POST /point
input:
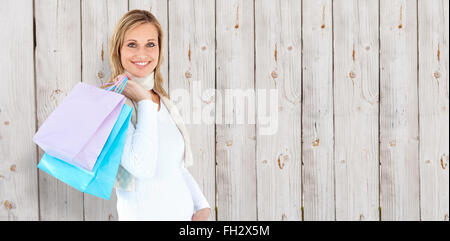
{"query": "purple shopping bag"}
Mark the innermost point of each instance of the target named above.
(78, 128)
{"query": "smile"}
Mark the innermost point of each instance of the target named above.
(141, 64)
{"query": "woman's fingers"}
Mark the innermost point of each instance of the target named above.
(126, 90)
(117, 83)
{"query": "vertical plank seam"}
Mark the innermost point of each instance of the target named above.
(81, 68)
(168, 44)
(418, 105)
(302, 201)
(254, 87)
(334, 114)
(35, 106)
(215, 111)
(379, 113)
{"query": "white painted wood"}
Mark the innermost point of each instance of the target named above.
(192, 69)
(356, 109)
(399, 136)
(58, 70)
(433, 106)
(278, 55)
(99, 19)
(159, 9)
(247, 182)
(18, 172)
(317, 113)
(235, 143)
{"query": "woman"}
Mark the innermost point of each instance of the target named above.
(157, 146)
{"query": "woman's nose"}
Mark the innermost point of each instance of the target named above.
(141, 57)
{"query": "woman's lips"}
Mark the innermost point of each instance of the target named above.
(139, 65)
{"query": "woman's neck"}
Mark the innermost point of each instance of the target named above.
(147, 81)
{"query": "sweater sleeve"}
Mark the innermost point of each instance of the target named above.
(141, 146)
(199, 199)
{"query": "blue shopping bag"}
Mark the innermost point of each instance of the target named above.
(100, 181)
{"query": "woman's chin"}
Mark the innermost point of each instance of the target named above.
(140, 73)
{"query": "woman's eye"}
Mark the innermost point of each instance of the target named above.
(133, 45)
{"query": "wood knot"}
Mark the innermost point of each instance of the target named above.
(12, 168)
(6, 123)
(8, 205)
(54, 94)
(100, 75)
(352, 74)
(400, 26)
(103, 54)
(444, 161)
(274, 74)
(437, 75)
(316, 142)
(188, 75)
(289, 48)
(392, 143)
(323, 26)
(281, 166)
(229, 143)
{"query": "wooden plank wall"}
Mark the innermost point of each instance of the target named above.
(19, 188)
(362, 104)
(278, 156)
(356, 99)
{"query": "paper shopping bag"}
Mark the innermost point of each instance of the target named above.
(78, 128)
(100, 181)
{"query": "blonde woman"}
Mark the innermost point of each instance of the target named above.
(153, 182)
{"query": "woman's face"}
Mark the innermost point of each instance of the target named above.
(140, 50)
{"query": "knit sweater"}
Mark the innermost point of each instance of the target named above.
(154, 154)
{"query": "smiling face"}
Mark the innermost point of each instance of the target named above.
(140, 50)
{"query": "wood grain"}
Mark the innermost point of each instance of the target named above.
(18, 173)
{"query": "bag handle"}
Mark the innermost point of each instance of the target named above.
(119, 85)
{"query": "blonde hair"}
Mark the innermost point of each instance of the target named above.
(128, 21)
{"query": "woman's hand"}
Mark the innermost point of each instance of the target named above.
(201, 215)
(134, 91)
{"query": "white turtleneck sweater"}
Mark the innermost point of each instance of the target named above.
(154, 154)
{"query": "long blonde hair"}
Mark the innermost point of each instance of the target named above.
(130, 20)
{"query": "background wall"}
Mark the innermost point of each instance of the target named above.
(363, 115)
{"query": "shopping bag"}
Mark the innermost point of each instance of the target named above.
(78, 128)
(100, 181)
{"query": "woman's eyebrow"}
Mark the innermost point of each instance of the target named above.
(136, 40)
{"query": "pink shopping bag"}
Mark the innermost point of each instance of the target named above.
(78, 128)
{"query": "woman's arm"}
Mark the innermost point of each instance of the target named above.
(199, 199)
(141, 147)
